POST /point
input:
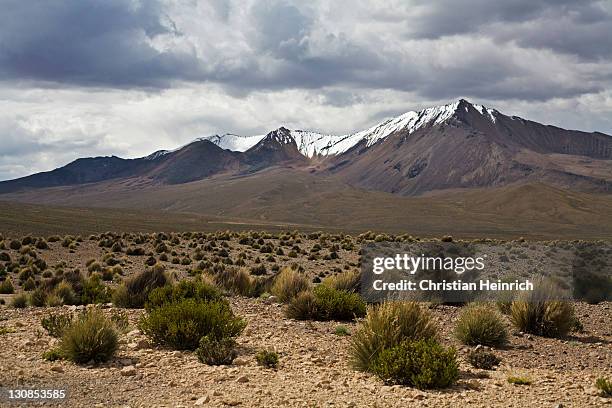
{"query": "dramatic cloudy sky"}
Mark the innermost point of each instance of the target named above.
(127, 77)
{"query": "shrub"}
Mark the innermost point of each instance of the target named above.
(604, 386)
(267, 359)
(288, 283)
(387, 325)
(38, 297)
(20, 301)
(349, 281)
(56, 324)
(30, 284)
(236, 281)
(341, 331)
(65, 292)
(90, 337)
(482, 359)
(15, 245)
(6, 287)
(421, 364)
(181, 325)
(135, 291)
(197, 290)
(480, 324)
(214, 351)
(53, 355)
(541, 312)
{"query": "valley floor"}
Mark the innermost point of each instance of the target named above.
(314, 369)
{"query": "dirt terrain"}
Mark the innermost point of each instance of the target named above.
(314, 365)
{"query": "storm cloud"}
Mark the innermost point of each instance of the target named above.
(124, 76)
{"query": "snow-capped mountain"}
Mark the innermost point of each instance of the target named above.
(457, 145)
(311, 144)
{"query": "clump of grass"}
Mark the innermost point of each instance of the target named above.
(288, 283)
(604, 386)
(53, 355)
(325, 303)
(20, 301)
(236, 281)
(267, 359)
(6, 287)
(135, 291)
(483, 359)
(387, 325)
(90, 337)
(480, 324)
(341, 331)
(519, 380)
(181, 325)
(541, 312)
(349, 281)
(422, 364)
(215, 351)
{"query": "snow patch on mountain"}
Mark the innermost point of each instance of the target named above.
(229, 141)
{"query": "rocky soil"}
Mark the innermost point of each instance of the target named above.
(313, 371)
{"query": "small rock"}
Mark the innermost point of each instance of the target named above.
(202, 400)
(128, 371)
(240, 361)
(217, 393)
(133, 333)
(243, 379)
(57, 369)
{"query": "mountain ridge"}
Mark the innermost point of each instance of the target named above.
(456, 145)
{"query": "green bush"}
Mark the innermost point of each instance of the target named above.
(541, 312)
(341, 331)
(215, 351)
(268, 359)
(29, 285)
(326, 304)
(482, 359)
(519, 380)
(387, 325)
(197, 290)
(422, 364)
(604, 386)
(56, 324)
(94, 291)
(181, 325)
(6, 287)
(20, 301)
(481, 324)
(90, 337)
(53, 355)
(135, 291)
(288, 283)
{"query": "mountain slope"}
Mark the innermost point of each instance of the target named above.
(454, 146)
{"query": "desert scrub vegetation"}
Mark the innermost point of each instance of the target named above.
(236, 281)
(267, 359)
(20, 301)
(199, 290)
(90, 337)
(182, 324)
(6, 287)
(519, 380)
(216, 351)
(480, 323)
(56, 324)
(349, 281)
(325, 303)
(422, 364)
(604, 386)
(387, 325)
(288, 283)
(541, 312)
(483, 359)
(134, 292)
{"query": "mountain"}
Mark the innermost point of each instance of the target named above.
(459, 145)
